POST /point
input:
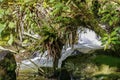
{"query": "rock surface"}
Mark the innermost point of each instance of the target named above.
(90, 65)
(7, 66)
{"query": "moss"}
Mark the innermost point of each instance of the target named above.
(108, 60)
(108, 76)
(91, 64)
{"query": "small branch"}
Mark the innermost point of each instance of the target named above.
(2, 48)
(32, 36)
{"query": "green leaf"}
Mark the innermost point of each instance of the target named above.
(1, 0)
(44, 39)
(117, 29)
(65, 8)
(106, 35)
(1, 13)
(26, 1)
(45, 5)
(106, 46)
(52, 1)
(59, 5)
(11, 25)
(10, 41)
(113, 33)
(105, 38)
(56, 11)
(110, 22)
(117, 42)
(2, 26)
(25, 41)
(115, 38)
(113, 42)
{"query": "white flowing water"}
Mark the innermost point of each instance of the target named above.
(88, 41)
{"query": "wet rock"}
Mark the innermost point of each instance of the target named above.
(62, 74)
(54, 75)
(7, 66)
(89, 64)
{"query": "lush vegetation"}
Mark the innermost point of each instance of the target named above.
(32, 25)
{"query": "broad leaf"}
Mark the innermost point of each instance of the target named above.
(52, 1)
(11, 39)
(11, 25)
(1, 13)
(2, 26)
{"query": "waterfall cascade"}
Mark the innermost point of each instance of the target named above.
(88, 41)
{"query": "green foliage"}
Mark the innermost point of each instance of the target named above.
(112, 40)
(110, 14)
(49, 35)
(2, 27)
(1, 13)
(65, 17)
(95, 7)
(10, 41)
(11, 25)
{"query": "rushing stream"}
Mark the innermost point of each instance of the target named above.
(88, 41)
